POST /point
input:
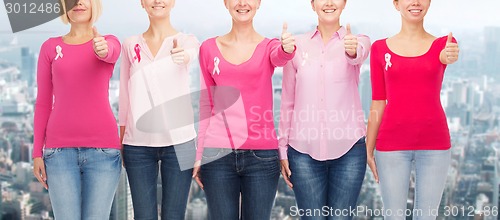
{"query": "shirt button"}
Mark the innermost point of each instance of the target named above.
(321, 66)
(322, 51)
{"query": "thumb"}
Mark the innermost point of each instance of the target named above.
(288, 171)
(450, 38)
(44, 174)
(348, 28)
(94, 30)
(175, 43)
(285, 27)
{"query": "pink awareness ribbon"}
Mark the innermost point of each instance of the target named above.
(137, 50)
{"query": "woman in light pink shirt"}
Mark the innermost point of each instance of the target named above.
(236, 140)
(322, 129)
(76, 147)
(155, 114)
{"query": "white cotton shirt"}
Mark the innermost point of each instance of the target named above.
(155, 102)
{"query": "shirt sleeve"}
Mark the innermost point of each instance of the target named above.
(287, 107)
(278, 56)
(44, 99)
(192, 47)
(362, 51)
(114, 49)
(124, 100)
(206, 104)
(377, 74)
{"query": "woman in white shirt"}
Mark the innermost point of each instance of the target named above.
(155, 114)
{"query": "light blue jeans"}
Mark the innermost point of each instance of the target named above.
(431, 171)
(82, 181)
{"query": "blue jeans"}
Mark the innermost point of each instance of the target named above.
(394, 168)
(253, 173)
(82, 181)
(334, 184)
(142, 165)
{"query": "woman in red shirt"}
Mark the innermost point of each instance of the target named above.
(407, 123)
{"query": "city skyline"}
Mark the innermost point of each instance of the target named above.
(470, 95)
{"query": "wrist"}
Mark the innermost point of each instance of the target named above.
(186, 58)
(353, 56)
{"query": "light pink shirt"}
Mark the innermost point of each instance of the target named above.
(321, 112)
(155, 105)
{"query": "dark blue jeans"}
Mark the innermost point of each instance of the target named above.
(141, 164)
(331, 185)
(253, 173)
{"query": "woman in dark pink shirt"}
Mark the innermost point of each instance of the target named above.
(407, 123)
(76, 146)
(236, 140)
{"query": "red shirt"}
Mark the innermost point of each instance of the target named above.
(413, 118)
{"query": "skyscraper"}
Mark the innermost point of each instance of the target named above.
(122, 208)
(365, 91)
(491, 51)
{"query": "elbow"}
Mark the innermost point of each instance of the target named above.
(378, 104)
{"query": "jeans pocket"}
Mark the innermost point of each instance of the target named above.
(361, 142)
(110, 152)
(49, 152)
(211, 153)
(266, 155)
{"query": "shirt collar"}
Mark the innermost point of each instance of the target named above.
(340, 33)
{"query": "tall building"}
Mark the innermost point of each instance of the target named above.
(23, 58)
(122, 208)
(28, 66)
(496, 177)
(491, 51)
(365, 91)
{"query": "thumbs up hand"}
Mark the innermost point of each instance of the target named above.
(179, 55)
(100, 44)
(450, 52)
(287, 40)
(350, 42)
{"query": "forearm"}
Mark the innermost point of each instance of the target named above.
(374, 120)
(122, 132)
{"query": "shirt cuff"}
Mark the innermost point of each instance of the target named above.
(359, 56)
(108, 56)
(37, 154)
(199, 154)
(284, 55)
(283, 149)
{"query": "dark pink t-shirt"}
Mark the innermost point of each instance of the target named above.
(413, 118)
(72, 107)
(239, 112)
